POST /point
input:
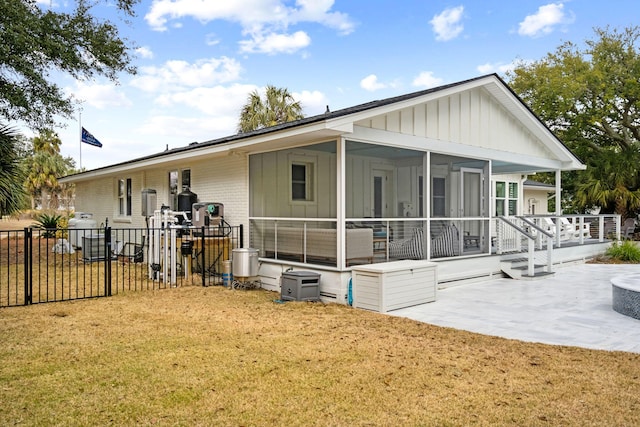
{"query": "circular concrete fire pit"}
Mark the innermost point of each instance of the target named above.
(626, 295)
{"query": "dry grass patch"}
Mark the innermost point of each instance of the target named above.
(210, 356)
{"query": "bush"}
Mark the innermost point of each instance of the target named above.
(49, 223)
(625, 251)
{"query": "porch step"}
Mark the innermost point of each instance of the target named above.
(517, 268)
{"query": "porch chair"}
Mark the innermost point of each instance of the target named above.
(629, 228)
(132, 252)
(566, 233)
(445, 244)
(573, 228)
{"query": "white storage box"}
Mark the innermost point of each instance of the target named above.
(393, 285)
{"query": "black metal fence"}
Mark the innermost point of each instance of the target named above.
(38, 266)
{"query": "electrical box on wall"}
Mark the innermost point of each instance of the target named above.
(149, 201)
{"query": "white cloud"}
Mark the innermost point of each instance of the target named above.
(263, 21)
(179, 74)
(187, 128)
(276, 43)
(144, 52)
(544, 20)
(497, 67)
(313, 102)
(371, 83)
(213, 101)
(447, 24)
(427, 80)
(100, 96)
(212, 39)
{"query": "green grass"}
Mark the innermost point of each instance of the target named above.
(211, 356)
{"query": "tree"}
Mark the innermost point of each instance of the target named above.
(37, 42)
(590, 97)
(278, 106)
(12, 193)
(44, 166)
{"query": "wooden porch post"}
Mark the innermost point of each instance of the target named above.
(341, 204)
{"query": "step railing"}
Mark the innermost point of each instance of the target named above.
(513, 234)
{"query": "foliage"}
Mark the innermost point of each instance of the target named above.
(48, 222)
(63, 228)
(36, 42)
(278, 106)
(44, 166)
(590, 97)
(625, 251)
(12, 193)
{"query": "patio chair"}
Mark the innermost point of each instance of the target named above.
(447, 243)
(574, 230)
(132, 252)
(550, 227)
(629, 228)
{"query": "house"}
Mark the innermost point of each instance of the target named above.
(361, 185)
(536, 197)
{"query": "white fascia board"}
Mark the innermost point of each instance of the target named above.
(399, 140)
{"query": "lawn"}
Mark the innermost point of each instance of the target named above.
(212, 356)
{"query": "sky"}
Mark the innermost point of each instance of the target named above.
(198, 60)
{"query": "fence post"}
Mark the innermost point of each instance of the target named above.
(107, 261)
(28, 266)
(242, 235)
(203, 257)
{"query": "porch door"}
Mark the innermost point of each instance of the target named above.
(381, 187)
(471, 205)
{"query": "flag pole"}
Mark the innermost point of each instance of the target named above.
(80, 135)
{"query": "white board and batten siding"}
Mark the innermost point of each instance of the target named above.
(393, 285)
(472, 117)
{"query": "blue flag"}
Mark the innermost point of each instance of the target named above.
(87, 138)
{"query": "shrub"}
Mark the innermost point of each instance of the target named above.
(49, 223)
(625, 251)
(63, 228)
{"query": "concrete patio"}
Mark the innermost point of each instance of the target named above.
(571, 308)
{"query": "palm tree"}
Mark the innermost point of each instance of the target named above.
(11, 174)
(278, 106)
(612, 182)
(44, 167)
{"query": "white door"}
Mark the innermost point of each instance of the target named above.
(471, 205)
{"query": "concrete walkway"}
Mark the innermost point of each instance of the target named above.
(571, 308)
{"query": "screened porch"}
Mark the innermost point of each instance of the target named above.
(341, 203)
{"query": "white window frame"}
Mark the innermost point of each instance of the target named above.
(310, 163)
(506, 199)
(124, 189)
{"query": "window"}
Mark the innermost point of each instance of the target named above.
(506, 198)
(438, 194)
(124, 197)
(301, 182)
(184, 178)
(173, 190)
